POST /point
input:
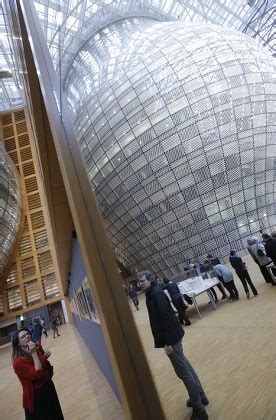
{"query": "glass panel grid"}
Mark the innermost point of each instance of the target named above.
(185, 173)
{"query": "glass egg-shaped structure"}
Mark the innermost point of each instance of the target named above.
(175, 126)
(10, 207)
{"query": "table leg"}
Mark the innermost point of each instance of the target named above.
(196, 306)
(213, 303)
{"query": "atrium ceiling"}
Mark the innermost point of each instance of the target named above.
(68, 24)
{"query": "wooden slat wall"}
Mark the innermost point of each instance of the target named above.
(33, 279)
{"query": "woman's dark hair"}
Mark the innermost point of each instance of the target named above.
(166, 280)
(16, 349)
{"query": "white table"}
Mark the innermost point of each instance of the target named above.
(196, 286)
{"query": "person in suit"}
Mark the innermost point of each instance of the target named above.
(242, 272)
(54, 326)
(177, 301)
(270, 246)
(168, 333)
(36, 330)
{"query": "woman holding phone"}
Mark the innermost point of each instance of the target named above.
(31, 365)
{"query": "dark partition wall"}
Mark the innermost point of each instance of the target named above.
(86, 318)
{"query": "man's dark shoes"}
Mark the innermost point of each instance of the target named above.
(199, 415)
(204, 401)
(188, 323)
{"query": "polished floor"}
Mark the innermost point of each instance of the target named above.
(233, 350)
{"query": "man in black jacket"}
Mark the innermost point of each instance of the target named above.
(270, 246)
(241, 270)
(177, 301)
(168, 333)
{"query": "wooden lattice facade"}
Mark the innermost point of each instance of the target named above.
(33, 279)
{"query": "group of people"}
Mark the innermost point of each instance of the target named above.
(225, 275)
(263, 253)
(166, 328)
(30, 361)
(38, 327)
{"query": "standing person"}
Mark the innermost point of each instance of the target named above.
(168, 333)
(200, 271)
(177, 301)
(36, 330)
(270, 250)
(132, 293)
(257, 252)
(58, 319)
(54, 326)
(213, 261)
(30, 363)
(226, 277)
(270, 246)
(241, 270)
(43, 325)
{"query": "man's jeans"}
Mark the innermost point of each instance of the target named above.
(185, 371)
